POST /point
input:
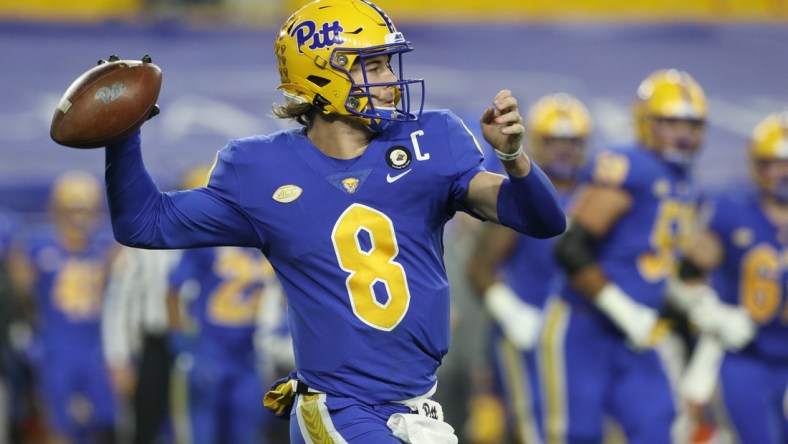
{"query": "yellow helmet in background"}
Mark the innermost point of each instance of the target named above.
(320, 42)
(770, 138)
(769, 143)
(76, 190)
(553, 117)
(75, 204)
(667, 94)
(558, 115)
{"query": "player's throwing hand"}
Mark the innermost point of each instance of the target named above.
(502, 124)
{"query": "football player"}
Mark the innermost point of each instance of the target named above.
(744, 245)
(220, 291)
(63, 266)
(349, 208)
(633, 210)
(512, 273)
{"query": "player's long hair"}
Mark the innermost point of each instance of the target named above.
(302, 113)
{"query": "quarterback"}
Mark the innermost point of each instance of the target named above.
(349, 208)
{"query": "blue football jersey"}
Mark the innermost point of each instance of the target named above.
(640, 250)
(753, 273)
(228, 283)
(356, 244)
(69, 289)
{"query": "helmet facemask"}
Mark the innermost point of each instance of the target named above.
(360, 102)
(563, 157)
(677, 140)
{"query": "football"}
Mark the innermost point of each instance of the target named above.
(106, 104)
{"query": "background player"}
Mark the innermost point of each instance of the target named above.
(512, 273)
(744, 246)
(633, 210)
(64, 266)
(220, 290)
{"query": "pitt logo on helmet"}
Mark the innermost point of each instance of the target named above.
(307, 31)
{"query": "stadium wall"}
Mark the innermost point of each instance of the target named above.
(432, 10)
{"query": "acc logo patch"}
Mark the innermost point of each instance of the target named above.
(287, 193)
(398, 157)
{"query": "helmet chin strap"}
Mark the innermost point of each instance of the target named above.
(386, 118)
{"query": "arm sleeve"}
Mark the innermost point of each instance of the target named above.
(142, 216)
(530, 205)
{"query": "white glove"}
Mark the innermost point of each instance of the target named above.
(730, 323)
(637, 321)
(519, 320)
(700, 377)
(685, 296)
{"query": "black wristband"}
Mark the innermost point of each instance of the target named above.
(689, 270)
(574, 250)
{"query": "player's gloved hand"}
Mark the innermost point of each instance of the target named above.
(638, 322)
(731, 324)
(156, 110)
(519, 320)
(145, 59)
(699, 379)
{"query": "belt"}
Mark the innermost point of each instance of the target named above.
(303, 389)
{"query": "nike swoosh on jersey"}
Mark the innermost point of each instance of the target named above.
(392, 179)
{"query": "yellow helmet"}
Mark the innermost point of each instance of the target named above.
(667, 94)
(770, 138)
(75, 203)
(320, 42)
(769, 142)
(558, 116)
(76, 190)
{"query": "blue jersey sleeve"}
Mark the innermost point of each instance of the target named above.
(467, 155)
(142, 216)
